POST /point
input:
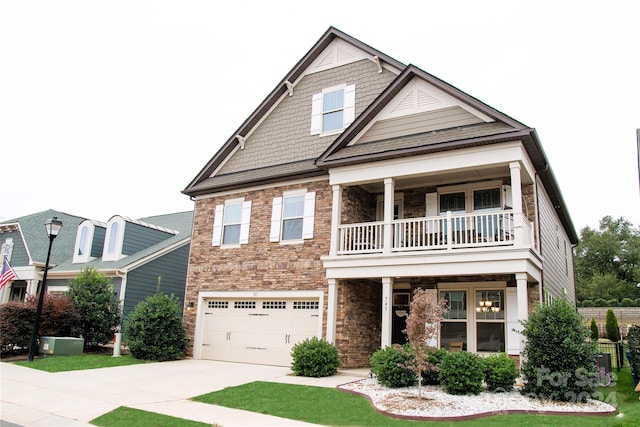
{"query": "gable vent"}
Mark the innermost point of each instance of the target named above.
(425, 99)
(343, 55)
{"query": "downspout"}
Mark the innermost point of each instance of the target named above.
(117, 338)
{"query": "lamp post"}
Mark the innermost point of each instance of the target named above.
(53, 227)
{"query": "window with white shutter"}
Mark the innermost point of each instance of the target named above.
(333, 109)
(231, 223)
(292, 216)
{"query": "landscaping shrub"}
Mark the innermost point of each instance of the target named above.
(595, 334)
(636, 302)
(612, 302)
(500, 372)
(600, 302)
(154, 329)
(461, 372)
(633, 345)
(314, 358)
(558, 358)
(16, 325)
(626, 302)
(93, 294)
(587, 303)
(611, 325)
(385, 364)
(435, 358)
(59, 318)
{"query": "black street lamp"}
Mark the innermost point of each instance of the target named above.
(53, 227)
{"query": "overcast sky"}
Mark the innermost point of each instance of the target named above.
(113, 107)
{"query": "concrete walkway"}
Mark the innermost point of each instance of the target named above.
(30, 397)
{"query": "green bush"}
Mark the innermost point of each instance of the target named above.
(611, 325)
(16, 325)
(461, 372)
(558, 358)
(587, 303)
(600, 302)
(500, 372)
(154, 329)
(314, 358)
(435, 358)
(386, 365)
(59, 318)
(627, 302)
(636, 302)
(612, 302)
(595, 334)
(93, 295)
(633, 344)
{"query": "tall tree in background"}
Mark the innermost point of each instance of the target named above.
(608, 261)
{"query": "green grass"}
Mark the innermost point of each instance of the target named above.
(127, 417)
(77, 363)
(332, 407)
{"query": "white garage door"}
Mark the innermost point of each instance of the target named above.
(257, 330)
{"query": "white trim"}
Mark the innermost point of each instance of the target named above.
(116, 254)
(217, 225)
(262, 187)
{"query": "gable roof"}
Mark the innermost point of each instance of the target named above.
(503, 128)
(203, 184)
(35, 236)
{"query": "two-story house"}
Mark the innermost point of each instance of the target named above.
(135, 254)
(357, 180)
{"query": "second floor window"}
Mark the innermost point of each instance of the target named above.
(333, 109)
(231, 223)
(292, 216)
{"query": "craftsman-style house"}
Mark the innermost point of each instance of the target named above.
(357, 180)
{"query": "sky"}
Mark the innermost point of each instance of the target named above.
(112, 108)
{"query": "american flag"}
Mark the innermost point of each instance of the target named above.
(7, 274)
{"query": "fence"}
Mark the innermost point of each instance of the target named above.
(616, 350)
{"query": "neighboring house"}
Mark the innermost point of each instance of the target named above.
(357, 180)
(134, 254)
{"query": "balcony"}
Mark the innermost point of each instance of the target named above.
(442, 233)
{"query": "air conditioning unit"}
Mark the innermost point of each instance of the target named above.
(61, 346)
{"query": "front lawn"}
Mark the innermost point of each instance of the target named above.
(332, 407)
(127, 417)
(80, 362)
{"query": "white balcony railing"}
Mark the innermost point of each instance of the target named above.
(453, 231)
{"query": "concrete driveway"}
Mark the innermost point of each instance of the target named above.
(35, 398)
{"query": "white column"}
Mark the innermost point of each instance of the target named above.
(516, 196)
(523, 301)
(336, 211)
(387, 294)
(389, 185)
(332, 309)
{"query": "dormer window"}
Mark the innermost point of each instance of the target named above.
(114, 239)
(333, 109)
(82, 244)
(89, 241)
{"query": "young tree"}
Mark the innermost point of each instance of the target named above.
(595, 334)
(612, 327)
(423, 324)
(93, 294)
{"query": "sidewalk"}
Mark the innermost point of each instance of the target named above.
(33, 398)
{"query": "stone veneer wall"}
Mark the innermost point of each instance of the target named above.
(358, 323)
(260, 264)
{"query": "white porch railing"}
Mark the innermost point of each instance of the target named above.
(452, 231)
